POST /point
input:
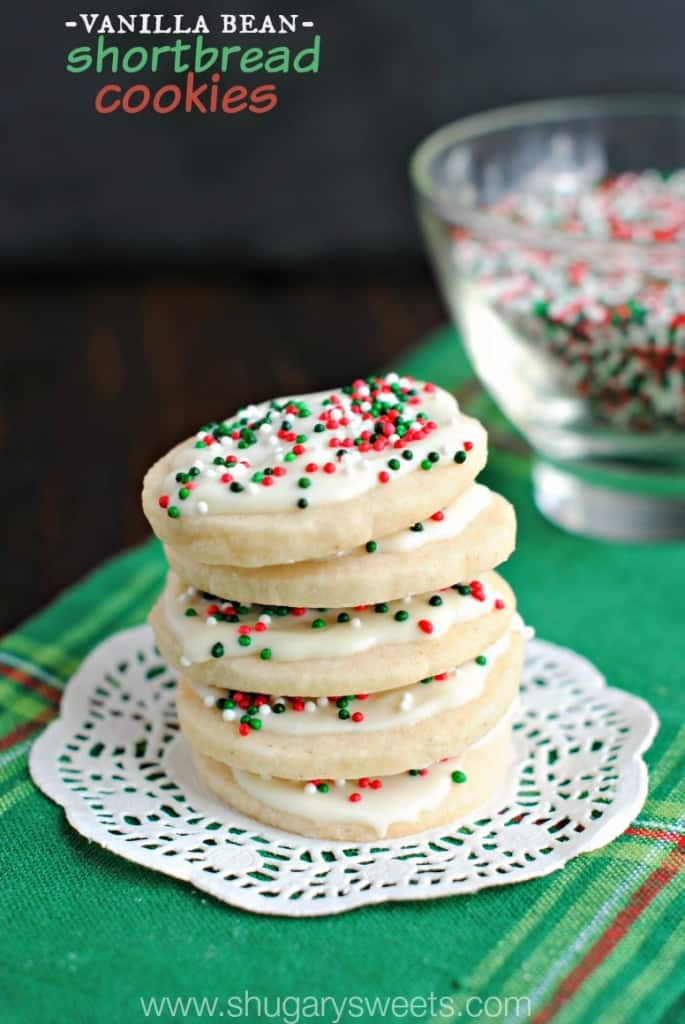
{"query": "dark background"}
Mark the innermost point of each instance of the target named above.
(158, 271)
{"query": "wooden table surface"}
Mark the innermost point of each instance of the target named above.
(98, 379)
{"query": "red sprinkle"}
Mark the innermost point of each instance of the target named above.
(364, 781)
(438, 517)
(226, 478)
(425, 626)
(244, 729)
(376, 784)
(468, 445)
(163, 500)
(354, 798)
(383, 477)
(499, 604)
(357, 717)
(329, 467)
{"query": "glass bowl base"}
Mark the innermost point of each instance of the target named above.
(605, 512)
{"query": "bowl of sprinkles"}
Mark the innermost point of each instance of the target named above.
(557, 232)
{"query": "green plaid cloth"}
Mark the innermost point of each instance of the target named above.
(87, 936)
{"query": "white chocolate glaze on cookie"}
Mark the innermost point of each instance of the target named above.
(206, 627)
(383, 710)
(312, 449)
(367, 808)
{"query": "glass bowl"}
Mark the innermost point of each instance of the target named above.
(577, 331)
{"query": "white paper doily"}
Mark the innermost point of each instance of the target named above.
(116, 762)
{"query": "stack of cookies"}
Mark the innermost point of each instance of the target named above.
(348, 659)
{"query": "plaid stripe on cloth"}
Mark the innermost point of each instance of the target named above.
(90, 937)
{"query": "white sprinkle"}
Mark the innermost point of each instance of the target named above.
(265, 709)
(228, 714)
(274, 440)
(355, 623)
(340, 782)
(407, 600)
(310, 788)
(252, 488)
(322, 702)
(264, 618)
(406, 702)
(208, 701)
(265, 428)
(199, 464)
(391, 378)
(278, 700)
(211, 621)
(310, 706)
(191, 592)
(203, 508)
(211, 474)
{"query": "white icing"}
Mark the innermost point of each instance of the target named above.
(456, 517)
(402, 798)
(355, 473)
(389, 709)
(293, 638)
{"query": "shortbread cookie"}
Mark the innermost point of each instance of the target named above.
(375, 734)
(474, 533)
(314, 652)
(369, 808)
(302, 478)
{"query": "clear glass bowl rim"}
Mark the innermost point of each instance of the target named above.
(519, 115)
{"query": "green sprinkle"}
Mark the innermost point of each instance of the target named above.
(244, 640)
(304, 482)
(464, 589)
(265, 654)
(343, 617)
(342, 702)
(190, 612)
(301, 438)
(428, 679)
(433, 457)
(381, 607)
(343, 713)
(481, 660)
(302, 503)
(394, 464)
(218, 650)
(407, 453)
(257, 478)
(289, 457)
(183, 493)
(401, 616)
(225, 702)
(458, 776)
(173, 512)
(416, 528)
(319, 428)
(460, 456)
(435, 601)
(254, 723)
(322, 787)
(318, 623)
(413, 771)
(278, 709)
(236, 487)
(426, 464)
(371, 546)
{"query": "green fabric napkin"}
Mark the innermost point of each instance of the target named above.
(89, 937)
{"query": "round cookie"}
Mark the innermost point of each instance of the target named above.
(391, 732)
(473, 534)
(362, 810)
(313, 475)
(300, 651)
